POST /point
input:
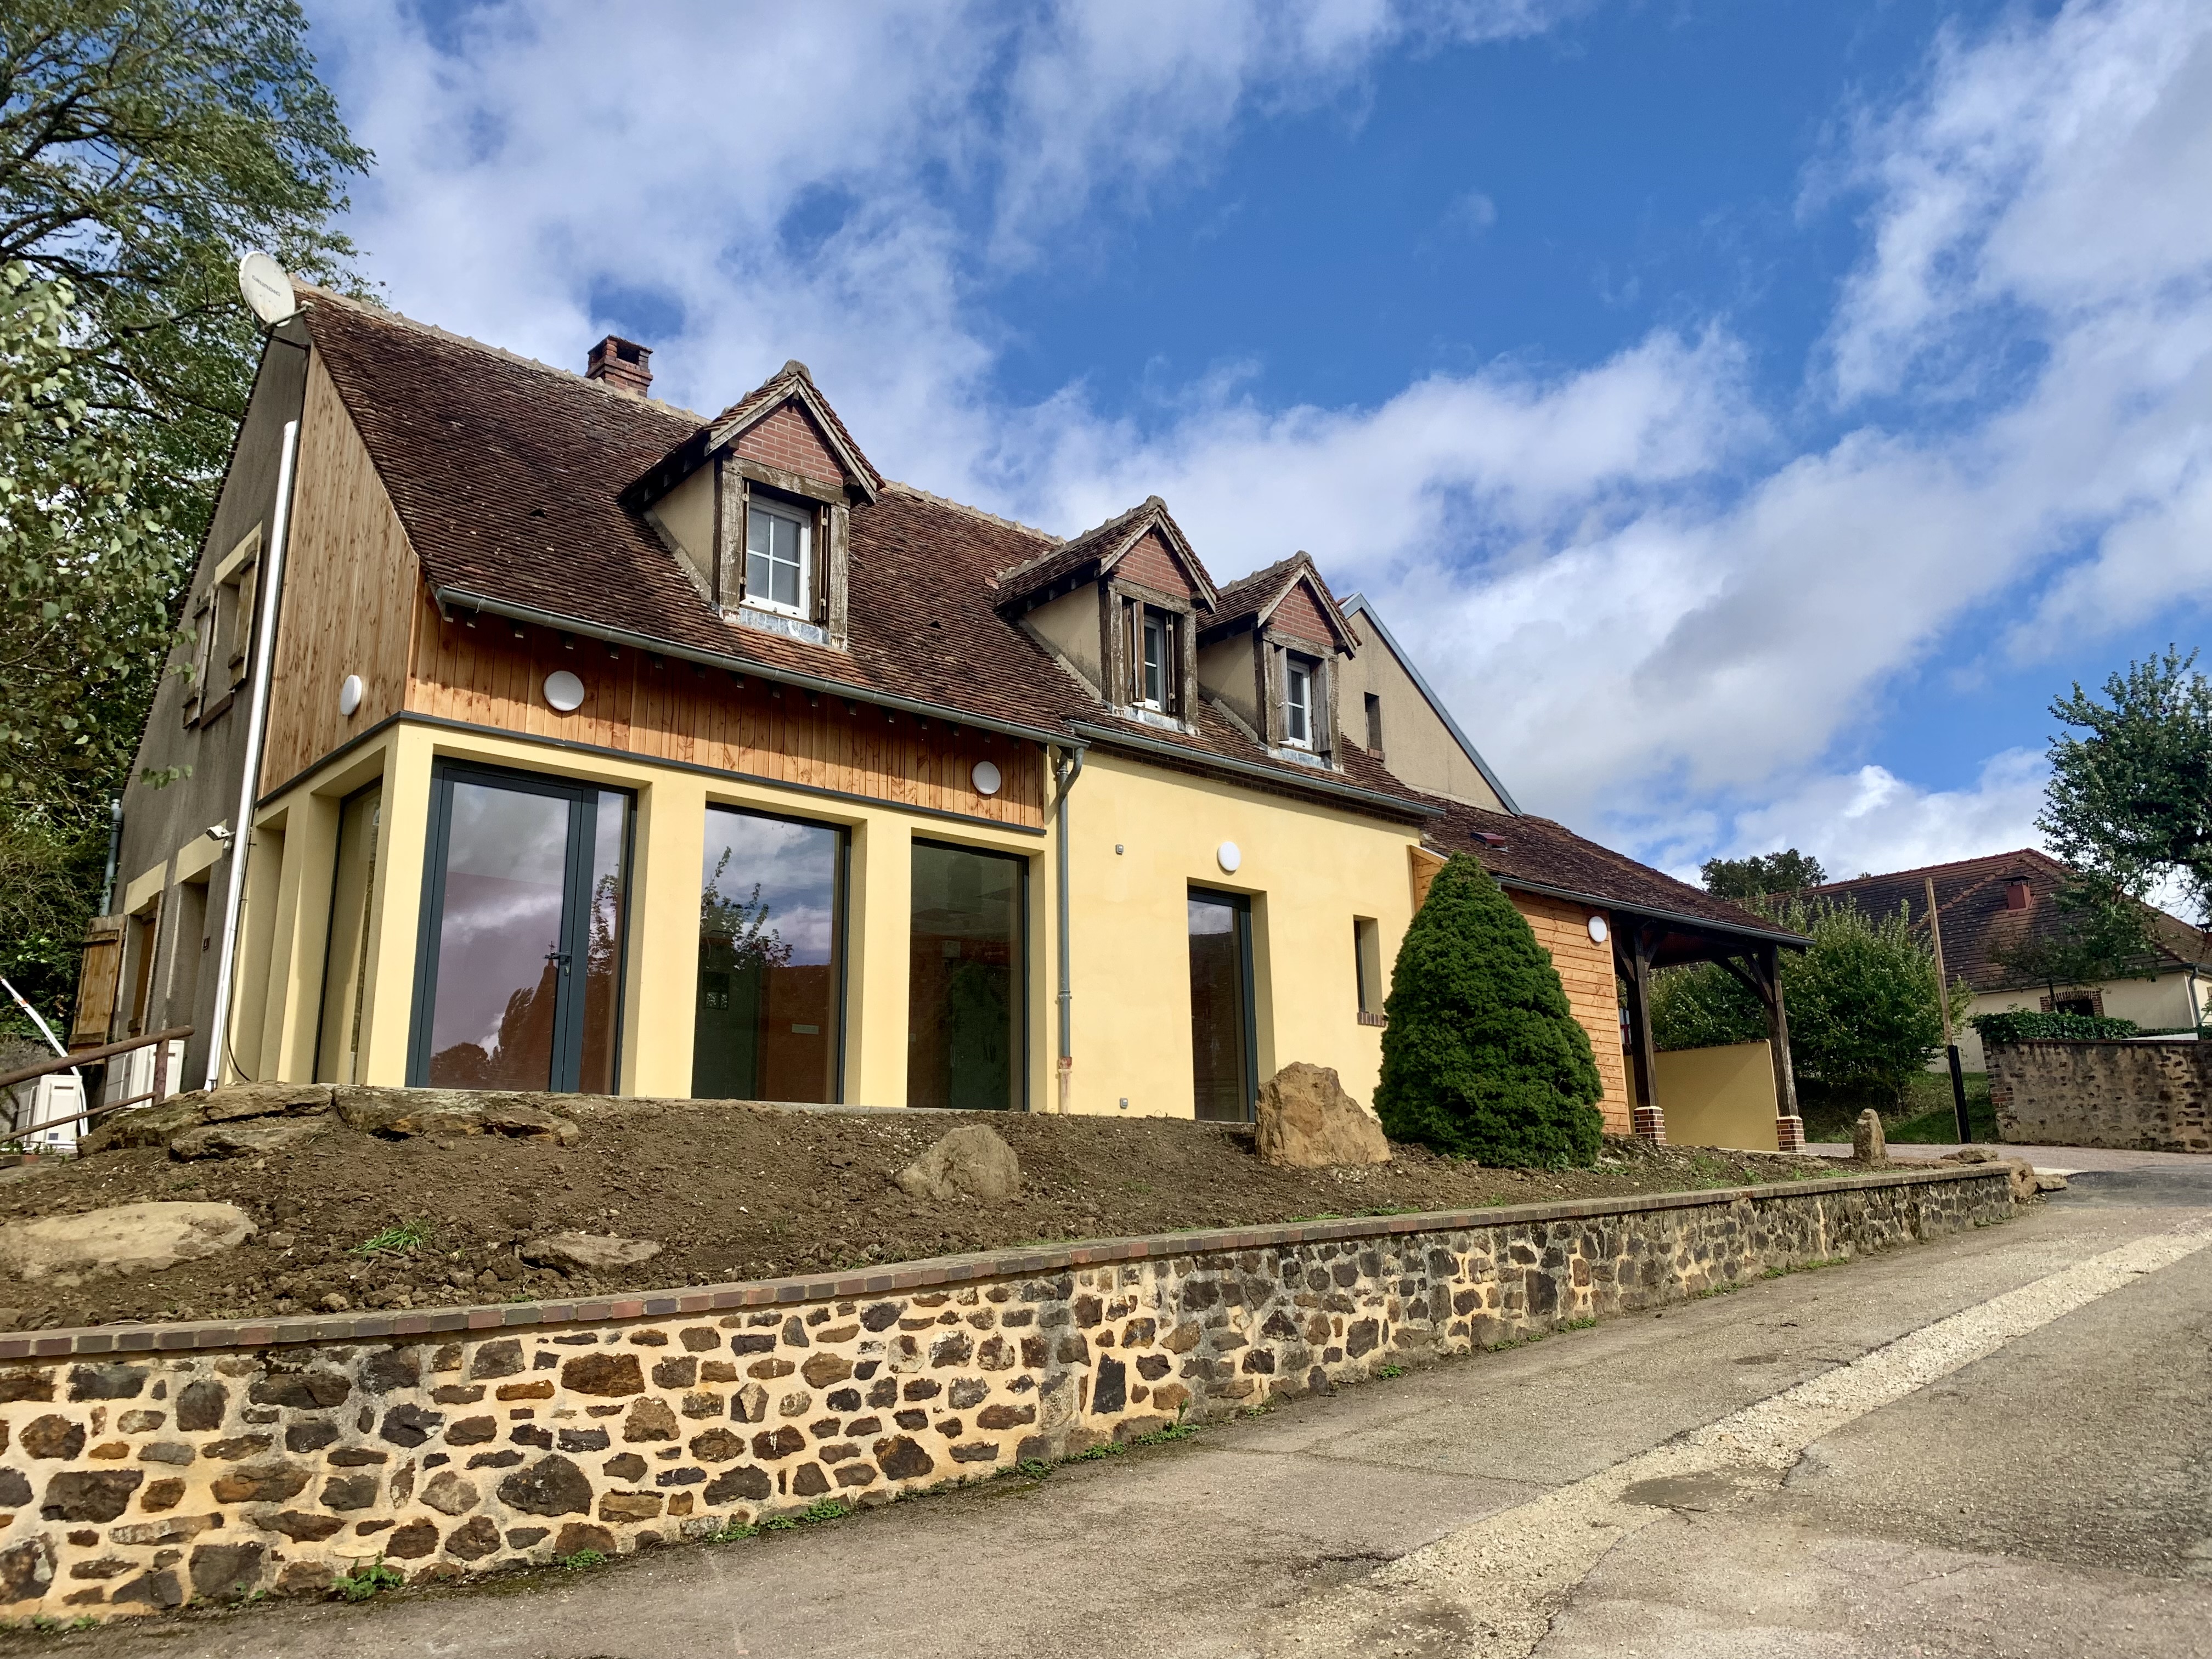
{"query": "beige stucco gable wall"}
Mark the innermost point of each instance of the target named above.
(1417, 746)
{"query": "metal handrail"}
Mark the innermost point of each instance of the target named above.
(90, 1056)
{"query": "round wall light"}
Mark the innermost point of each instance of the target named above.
(564, 691)
(350, 695)
(986, 777)
(1598, 930)
(1228, 856)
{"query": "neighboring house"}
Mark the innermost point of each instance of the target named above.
(1988, 906)
(613, 749)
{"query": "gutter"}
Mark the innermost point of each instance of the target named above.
(1318, 782)
(447, 597)
(1067, 768)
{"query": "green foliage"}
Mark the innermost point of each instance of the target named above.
(582, 1560)
(407, 1235)
(144, 146)
(2024, 1025)
(365, 1579)
(1861, 1002)
(2131, 802)
(1482, 1057)
(1763, 875)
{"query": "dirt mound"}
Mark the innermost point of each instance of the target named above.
(730, 1191)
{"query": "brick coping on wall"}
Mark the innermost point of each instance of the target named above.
(909, 1276)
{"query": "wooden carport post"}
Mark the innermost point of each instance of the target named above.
(1789, 1123)
(1649, 1121)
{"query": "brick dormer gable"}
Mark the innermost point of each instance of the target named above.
(1142, 547)
(1289, 599)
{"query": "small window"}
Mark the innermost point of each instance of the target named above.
(1297, 702)
(1367, 962)
(778, 548)
(1156, 660)
(1374, 723)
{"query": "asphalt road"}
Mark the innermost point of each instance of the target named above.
(1997, 1444)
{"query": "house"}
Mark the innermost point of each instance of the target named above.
(1987, 907)
(610, 748)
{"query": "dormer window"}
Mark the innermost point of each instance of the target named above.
(1298, 677)
(1156, 661)
(779, 560)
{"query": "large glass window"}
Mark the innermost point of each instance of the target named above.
(771, 940)
(776, 550)
(520, 978)
(964, 1018)
(1222, 1063)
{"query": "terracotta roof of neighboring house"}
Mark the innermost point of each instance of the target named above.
(513, 481)
(1539, 855)
(1971, 899)
(1255, 595)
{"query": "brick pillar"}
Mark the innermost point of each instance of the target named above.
(1650, 1125)
(1789, 1134)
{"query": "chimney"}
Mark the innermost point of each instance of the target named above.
(2017, 893)
(623, 364)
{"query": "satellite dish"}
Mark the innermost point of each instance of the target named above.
(267, 290)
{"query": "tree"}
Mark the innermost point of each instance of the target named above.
(2129, 803)
(144, 146)
(1762, 875)
(1482, 1057)
(1863, 1015)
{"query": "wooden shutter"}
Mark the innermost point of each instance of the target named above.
(241, 623)
(100, 972)
(196, 690)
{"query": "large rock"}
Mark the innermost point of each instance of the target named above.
(970, 1163)
(1307, 1122)
(589, 1252)
(247, 1138)
(398, 1113)
(249, 1100)
(126, 1238)
(1868, 1143)
(144, 1125)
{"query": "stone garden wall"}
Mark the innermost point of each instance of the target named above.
(144, 1467)
(2154, 1097)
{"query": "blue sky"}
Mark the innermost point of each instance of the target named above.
(1751, 413)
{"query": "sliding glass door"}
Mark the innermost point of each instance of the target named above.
(519, 980)
(965, 1007)
(770, 1021)
(1222, 1060)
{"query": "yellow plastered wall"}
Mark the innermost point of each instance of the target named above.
(1721, 1096)
(1308, 870)
(669, 837)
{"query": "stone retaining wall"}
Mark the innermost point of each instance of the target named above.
(2151, 1096)
(144, 1467)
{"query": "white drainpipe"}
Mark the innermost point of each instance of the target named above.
(257, 721)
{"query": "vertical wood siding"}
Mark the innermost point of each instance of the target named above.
(350, 583)
(668, 710)
(1586, 969)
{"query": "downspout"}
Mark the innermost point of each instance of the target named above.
(257, 721)
(1068, 767)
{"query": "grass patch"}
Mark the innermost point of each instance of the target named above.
(407, 1235)
(583, 1560)
(1389, 1370)
(1925, 1116)
(1168, 1436)
(1587, 1322)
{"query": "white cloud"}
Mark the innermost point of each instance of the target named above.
(1639, 598)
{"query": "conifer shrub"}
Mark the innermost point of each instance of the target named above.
(1482, 1057)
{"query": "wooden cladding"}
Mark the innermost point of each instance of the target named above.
(350, 593)
(1586, 970)
(667, 709)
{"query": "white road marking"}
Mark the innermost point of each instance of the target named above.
(1491, 1591)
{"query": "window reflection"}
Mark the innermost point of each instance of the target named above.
(964, 1018)
(771, 934)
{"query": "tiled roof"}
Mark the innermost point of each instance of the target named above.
(1970, 900)
(509, 477)
(1247, 597)
(1538, 853)
(1100, 541)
